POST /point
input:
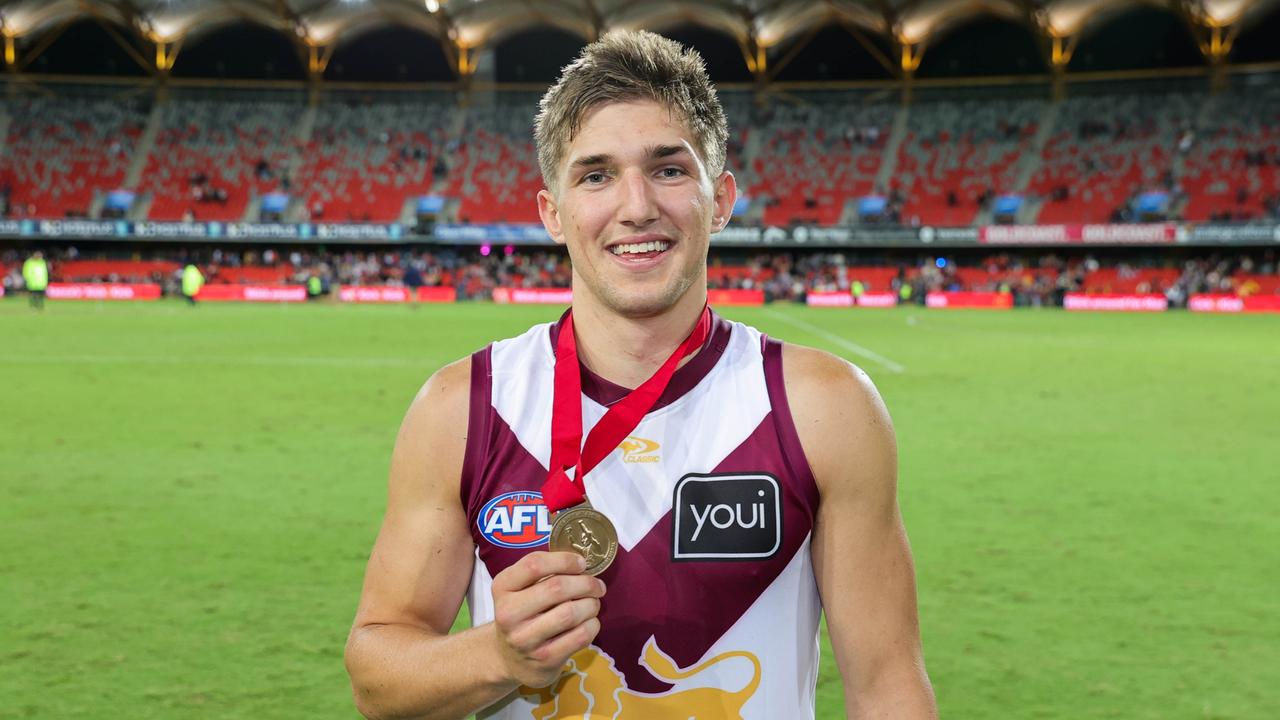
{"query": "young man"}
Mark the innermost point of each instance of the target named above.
(746, 486)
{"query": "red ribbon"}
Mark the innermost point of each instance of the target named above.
(567, 449)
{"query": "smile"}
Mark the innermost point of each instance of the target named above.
(640, 249)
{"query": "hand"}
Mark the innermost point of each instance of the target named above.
(544, 611)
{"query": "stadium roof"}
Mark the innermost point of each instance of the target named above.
(471, 24)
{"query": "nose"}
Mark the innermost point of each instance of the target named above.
(638, 207)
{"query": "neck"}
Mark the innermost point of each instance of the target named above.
(628, 351)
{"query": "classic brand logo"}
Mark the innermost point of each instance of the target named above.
(515, 520)
(638, 450)
(726, 517)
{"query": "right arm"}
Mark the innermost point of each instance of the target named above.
(402, 660)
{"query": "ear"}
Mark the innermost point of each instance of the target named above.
(726, 194)
(550, 215)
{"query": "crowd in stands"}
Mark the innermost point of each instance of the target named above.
(498, 175)
(364, 159)
(59, 151)
(1033, 278)
(957, 156)
(813, 157)
(212, 157)
(802, 157)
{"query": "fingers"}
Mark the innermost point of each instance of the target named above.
(532, 634)
(546, 595)
(569, 642)
(533, 567)
(545, 610)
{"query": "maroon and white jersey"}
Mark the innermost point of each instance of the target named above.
(712, 608)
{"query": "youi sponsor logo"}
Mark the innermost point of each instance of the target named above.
(726, 517)
(515, 520)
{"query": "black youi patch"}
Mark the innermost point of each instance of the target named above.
(734, 516)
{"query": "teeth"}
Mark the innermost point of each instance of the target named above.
(644, 247)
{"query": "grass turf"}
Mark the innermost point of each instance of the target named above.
(187, 499)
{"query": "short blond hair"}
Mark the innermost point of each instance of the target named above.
(625, 66)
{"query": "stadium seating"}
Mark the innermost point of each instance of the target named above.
(364, 160)
(873, 277)
(815, 156)
(116, 270)
(1232, 166)
(496, 176)
(59, 150)
(224, 142)
(806, 159)
(719, 275)
(1105, 151)
(253, 275)
(1126, 280)
(1254, 284)
(959, 155)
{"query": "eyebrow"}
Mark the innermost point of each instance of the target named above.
(654, 152)
(591, 160)
(662, 151)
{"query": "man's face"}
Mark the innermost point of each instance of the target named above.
(636, 208)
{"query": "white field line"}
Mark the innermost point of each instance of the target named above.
(335, 362)
(844, 343)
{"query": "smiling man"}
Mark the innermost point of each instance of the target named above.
(647, 507)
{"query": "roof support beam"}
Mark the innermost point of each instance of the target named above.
(1214, 37)
(910, 55)
(299, 35)
(124, 44)
(596, 18)
(318, 57)
(45, 42)
(1056, 47)
(754, 54)
(1062, 49)
(167, 54)
(794, 51)
(870, 47)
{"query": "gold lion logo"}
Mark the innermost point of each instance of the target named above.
(590, 688)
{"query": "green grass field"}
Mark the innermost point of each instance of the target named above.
(187, 500)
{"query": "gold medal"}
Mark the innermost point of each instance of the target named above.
(586, 531)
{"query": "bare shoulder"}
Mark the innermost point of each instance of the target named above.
(434, 431)
(446, 392)
(838, 413)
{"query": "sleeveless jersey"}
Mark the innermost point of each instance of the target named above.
(711, 609)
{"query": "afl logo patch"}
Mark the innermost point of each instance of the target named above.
(515, 520)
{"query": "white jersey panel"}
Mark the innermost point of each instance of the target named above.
(694, 434)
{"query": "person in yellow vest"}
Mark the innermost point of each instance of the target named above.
(315, 287)
(35, 273)
(858, 289)
(192, 281)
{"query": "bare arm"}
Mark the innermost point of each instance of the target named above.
(860, 552)
(402, 660)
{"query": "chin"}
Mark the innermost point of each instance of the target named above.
(644, 302)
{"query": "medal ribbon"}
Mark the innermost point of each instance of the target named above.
(567, 449)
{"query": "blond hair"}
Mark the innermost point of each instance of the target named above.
(625, 66)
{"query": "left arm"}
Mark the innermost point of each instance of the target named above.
(861, 557)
